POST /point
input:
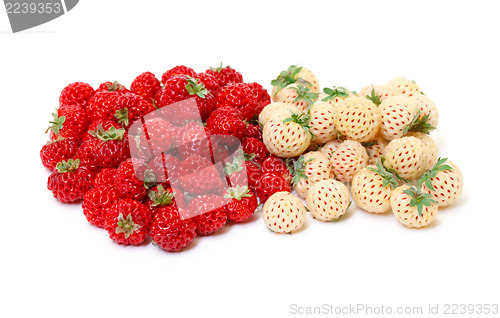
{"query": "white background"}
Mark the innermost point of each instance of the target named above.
(55, 264)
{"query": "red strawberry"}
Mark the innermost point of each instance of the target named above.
(130, 107)
(77, 93)
(270, 183)
(261, 95)
(213, 213)
(255, 149)
(58, 150)
(96, 203)
(164, 166)
(209, 81)
(276, 165)
(105, 176)
(176, 71)
(220, 146)
(156, 136)
(112, 87)
(225, 75)
(88, 164)
(70, 181)
(183, 87)
(240, 96)
(68, 122)
(179, 113)
(229, 111)
(221, 122)
(126, 181)
(202, 179)
(169, 231)
(179, 132)
(241, 205)
(253, 174)
(253, 131)
(192, 163)
(195, 140)
(145, 85)
(209, 180)
(103, 105)
(128, 221)
(106, 148)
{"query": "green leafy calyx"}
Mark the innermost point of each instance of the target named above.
(57, 123)
(121, 116)
(374, 97)
(419, 199)
(298, 169)
(69, 165)
(422, 125)
(238, 193)
(233, 167)
(127, 226)
(115, 86)
(390, 170)
(302, 119)
(106, 135)
(286, 78)
(218, 68)
(305, 94)
(336, 91)
(388, 177)
(161, 197)
(426, 178)
(149, 178)
(194, 87)
(412, 123)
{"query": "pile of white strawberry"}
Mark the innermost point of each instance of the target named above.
(372, 146)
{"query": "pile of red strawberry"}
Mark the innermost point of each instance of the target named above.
(90, 157)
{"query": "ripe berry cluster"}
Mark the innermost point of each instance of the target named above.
(179, 157)
(97, 138)
(376, 141)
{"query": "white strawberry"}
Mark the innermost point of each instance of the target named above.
(328, 200)
(428, 117)
(349, 158)
(403, 86)
(406, 157)
(329, 148)
(412, 207)
(430, 149)
(294, 74)
(322, 122)
(375, 149)
(444, 181)
(297, 95)
(276, 110)
(288, 137)
(371, 188)
(283, 212)
(309, 169)
(307, 78)
(375, 93)
(357, 119)
(398, 113)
